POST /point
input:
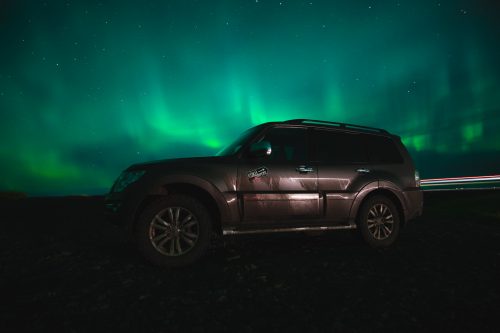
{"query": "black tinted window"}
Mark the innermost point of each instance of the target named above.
(339, 148)
(288, 144)
(383, 150)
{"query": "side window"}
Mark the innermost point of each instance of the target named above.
(288, 144)
(339, 148)
(383, 150)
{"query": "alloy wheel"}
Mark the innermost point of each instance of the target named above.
(174, 231)
(380, 221)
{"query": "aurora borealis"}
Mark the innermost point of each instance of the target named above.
(89, 87)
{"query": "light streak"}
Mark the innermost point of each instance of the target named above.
(461, 180)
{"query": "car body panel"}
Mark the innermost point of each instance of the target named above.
(282, 193)
(339, 184)
(246, 197)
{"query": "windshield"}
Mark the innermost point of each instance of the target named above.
(235, 147)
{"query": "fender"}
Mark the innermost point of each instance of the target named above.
(369, 188)
(398, 193)
(158, 187)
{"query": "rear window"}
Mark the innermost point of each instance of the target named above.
(354, 148)
(382, 150)
(339, 148)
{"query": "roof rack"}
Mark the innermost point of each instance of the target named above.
(335, 124)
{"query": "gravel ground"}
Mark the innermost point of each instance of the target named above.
(64, 268)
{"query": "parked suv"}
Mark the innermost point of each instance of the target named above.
(296, 175)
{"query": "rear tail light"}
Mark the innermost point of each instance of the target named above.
(417, 178)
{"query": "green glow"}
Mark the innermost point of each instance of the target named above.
(51, 167)
(472, 132)
(417, 142)
(213, 143)
(90, 87)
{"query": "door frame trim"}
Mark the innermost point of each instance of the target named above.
(234, 231)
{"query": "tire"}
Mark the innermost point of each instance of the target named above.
(173, 231)
(378, 221)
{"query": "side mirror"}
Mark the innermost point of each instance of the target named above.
(260, 149)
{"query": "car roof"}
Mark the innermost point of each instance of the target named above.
(333, 125)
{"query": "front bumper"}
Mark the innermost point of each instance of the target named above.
(121, 209)
(112, 211)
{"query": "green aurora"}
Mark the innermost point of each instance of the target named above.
(89, 87)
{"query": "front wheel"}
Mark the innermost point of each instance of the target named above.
(378, 221)
(173, 231)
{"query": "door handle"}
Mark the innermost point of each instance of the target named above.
(304, 169)
(363, 170)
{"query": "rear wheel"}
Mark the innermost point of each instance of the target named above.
(378, 221)
(173, 231)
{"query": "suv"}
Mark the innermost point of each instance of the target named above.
(296, 175)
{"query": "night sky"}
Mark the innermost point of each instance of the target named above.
(89, 87)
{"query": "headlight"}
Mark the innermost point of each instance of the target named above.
(127, 178)
(417, 178)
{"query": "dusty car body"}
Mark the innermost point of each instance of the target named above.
(297, 175)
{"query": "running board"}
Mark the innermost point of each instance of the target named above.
(231, 231)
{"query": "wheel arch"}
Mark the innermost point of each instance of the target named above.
(370, 191)
(197, 188)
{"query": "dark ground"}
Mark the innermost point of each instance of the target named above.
(63, 268)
